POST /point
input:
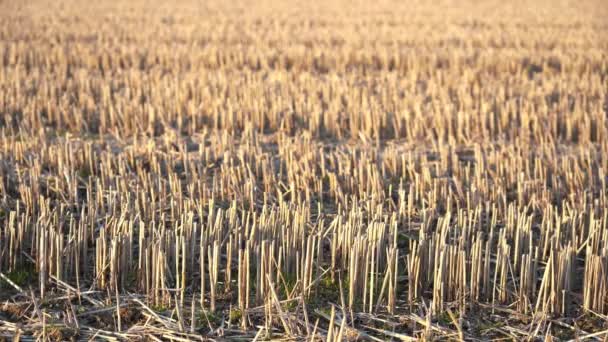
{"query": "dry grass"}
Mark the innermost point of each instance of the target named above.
(329, 170)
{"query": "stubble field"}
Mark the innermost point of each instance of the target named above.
(319, 170)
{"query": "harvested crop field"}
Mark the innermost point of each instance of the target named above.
(318, 170)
